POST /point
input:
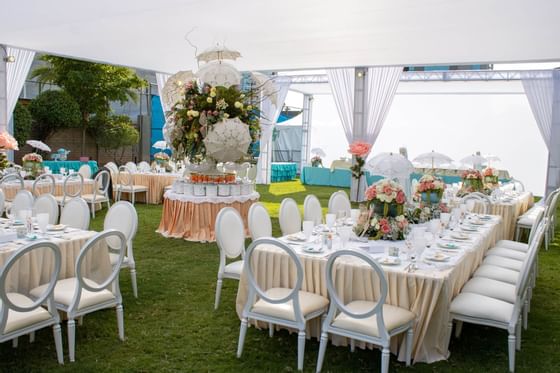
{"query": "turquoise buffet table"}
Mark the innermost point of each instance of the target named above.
(69, 165)
(283, 171)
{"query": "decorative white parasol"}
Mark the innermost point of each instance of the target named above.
(161, 144)
(219, 74)
(218, 53)
(38, 145)
(266, 85)
(389, 165)
(473, 160)
(433, 158)
(228, 141)
(490, 158)
(318, 152)
(174, 88)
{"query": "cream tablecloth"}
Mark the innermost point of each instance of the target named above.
(193, 218)
(10, 189)
(156, 184)
(426, 292)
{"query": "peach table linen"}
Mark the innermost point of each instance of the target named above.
(193, 218)
(156, 184)
(11, 189)
(33, 270)
(427, 293)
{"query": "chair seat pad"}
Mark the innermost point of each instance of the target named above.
(491, 288)
(526, 221)
(309, 303)
(64, 292)
(497, 273)
(482, 307)
(114, 258)
(135, 188)
(393, 317)
(98, 198)
(234, 267)
(507, 253)
(500, 261)
(18, 320)
(514, 245)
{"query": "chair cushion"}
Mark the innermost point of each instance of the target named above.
(491, 288)
(514, 245)
(18, 320)
(135, 188)
(115, 257)
(507, 253)
(500, 261)
(393, 317)
(482, 307)
(497, 273)
(64, 292)
(526, 221)
(309, 303)
(98, 198)
(234, 267)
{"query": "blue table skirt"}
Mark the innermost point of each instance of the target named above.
(69, 165)
(283, 172)
(341, 177)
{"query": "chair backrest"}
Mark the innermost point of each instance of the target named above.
(85, 171)
(131, 166)
(75, 214)
(42, 180)
(73, 185)
(337, 304)
(339, 201)
(46, 203)
(518, 185)
(2, 201)
(259, 221)
(7, 304)
(13, 179)
(536, 223)
(312, 209)
(242, 170)
(526, 268)
(252, 173)
(144, 166)
(550, 209)
(254, 288)
(101, 183)
(22, 201)
(477, 197)
(112, 281)
(230, 233)
(124, 177)
(112, 166)
(289, 217)
(123, 217)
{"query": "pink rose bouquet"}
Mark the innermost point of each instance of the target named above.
(7, 142)
(32, 157)
(359, 149)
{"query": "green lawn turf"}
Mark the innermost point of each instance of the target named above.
(172, 325)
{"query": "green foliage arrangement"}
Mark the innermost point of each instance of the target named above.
(54, 110)
(22, 123)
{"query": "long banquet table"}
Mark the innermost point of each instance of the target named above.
(193, 218)
(427, 291)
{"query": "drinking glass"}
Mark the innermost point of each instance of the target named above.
(340, 217)
(330, 220)
(10, 215)
(430, 239)
(344, 233)
(445, 217)
(354, 215)
(308, 229)
(43, 222)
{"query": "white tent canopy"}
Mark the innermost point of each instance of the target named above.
(291, 35)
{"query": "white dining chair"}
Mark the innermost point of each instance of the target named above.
(71, 188)
(46, 203)
(44, 179)
(75, 214)
(79, 295)
(527, 220)
(22, 314)
(286, 306)
(252, 174)
(312, 209)
(481, 309)
(2, 202)
(100, 191)
(339, 201)
(122, 216)
(289, 217)
(259, 221)
(144, 167)
(22, 201)
(230, 238)
(131, 166)
(85, 171)
(371, 321)
(476, 197)
(11, 180)
(126, 185)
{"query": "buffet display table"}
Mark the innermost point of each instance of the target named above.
(427, 291)
(193, 218)
(55, 166)
(11, 188)
(283, 171)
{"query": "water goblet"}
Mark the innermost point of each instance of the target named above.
(308, 226)
(43, 222)
(344, 233)
(330, 220)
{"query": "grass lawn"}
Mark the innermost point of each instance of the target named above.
(172, 325)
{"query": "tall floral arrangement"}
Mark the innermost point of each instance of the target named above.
(430, 188)
(491, 179)
(472, 182)
(203, 107)
(7, 142)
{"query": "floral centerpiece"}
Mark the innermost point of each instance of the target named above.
(360, 150)
(383, 218)
(161, 158)
(203, 107)
(7, 142)
(490, 178)
(472, 182)
(430, 189)
(316, 161)
(33, 163)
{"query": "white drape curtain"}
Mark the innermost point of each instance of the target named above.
(341, 82)
(161, 79)
(16, 73)
(269, 115)
(539, 89)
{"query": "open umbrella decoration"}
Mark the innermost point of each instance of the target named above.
(218, 53)
(228, 141)
(174, 88)
(433, 158)
(161, 144)
(318, 152)
(390, 165)
(490, 158)
(219, 74)
(38, 145)
(473, 160)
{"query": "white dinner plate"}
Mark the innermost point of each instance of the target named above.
(460, 236)
(438, 258)
(390, 261)
(312, 250)
(449, 246)
(56, 228)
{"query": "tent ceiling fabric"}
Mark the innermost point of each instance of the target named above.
(293, 34)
